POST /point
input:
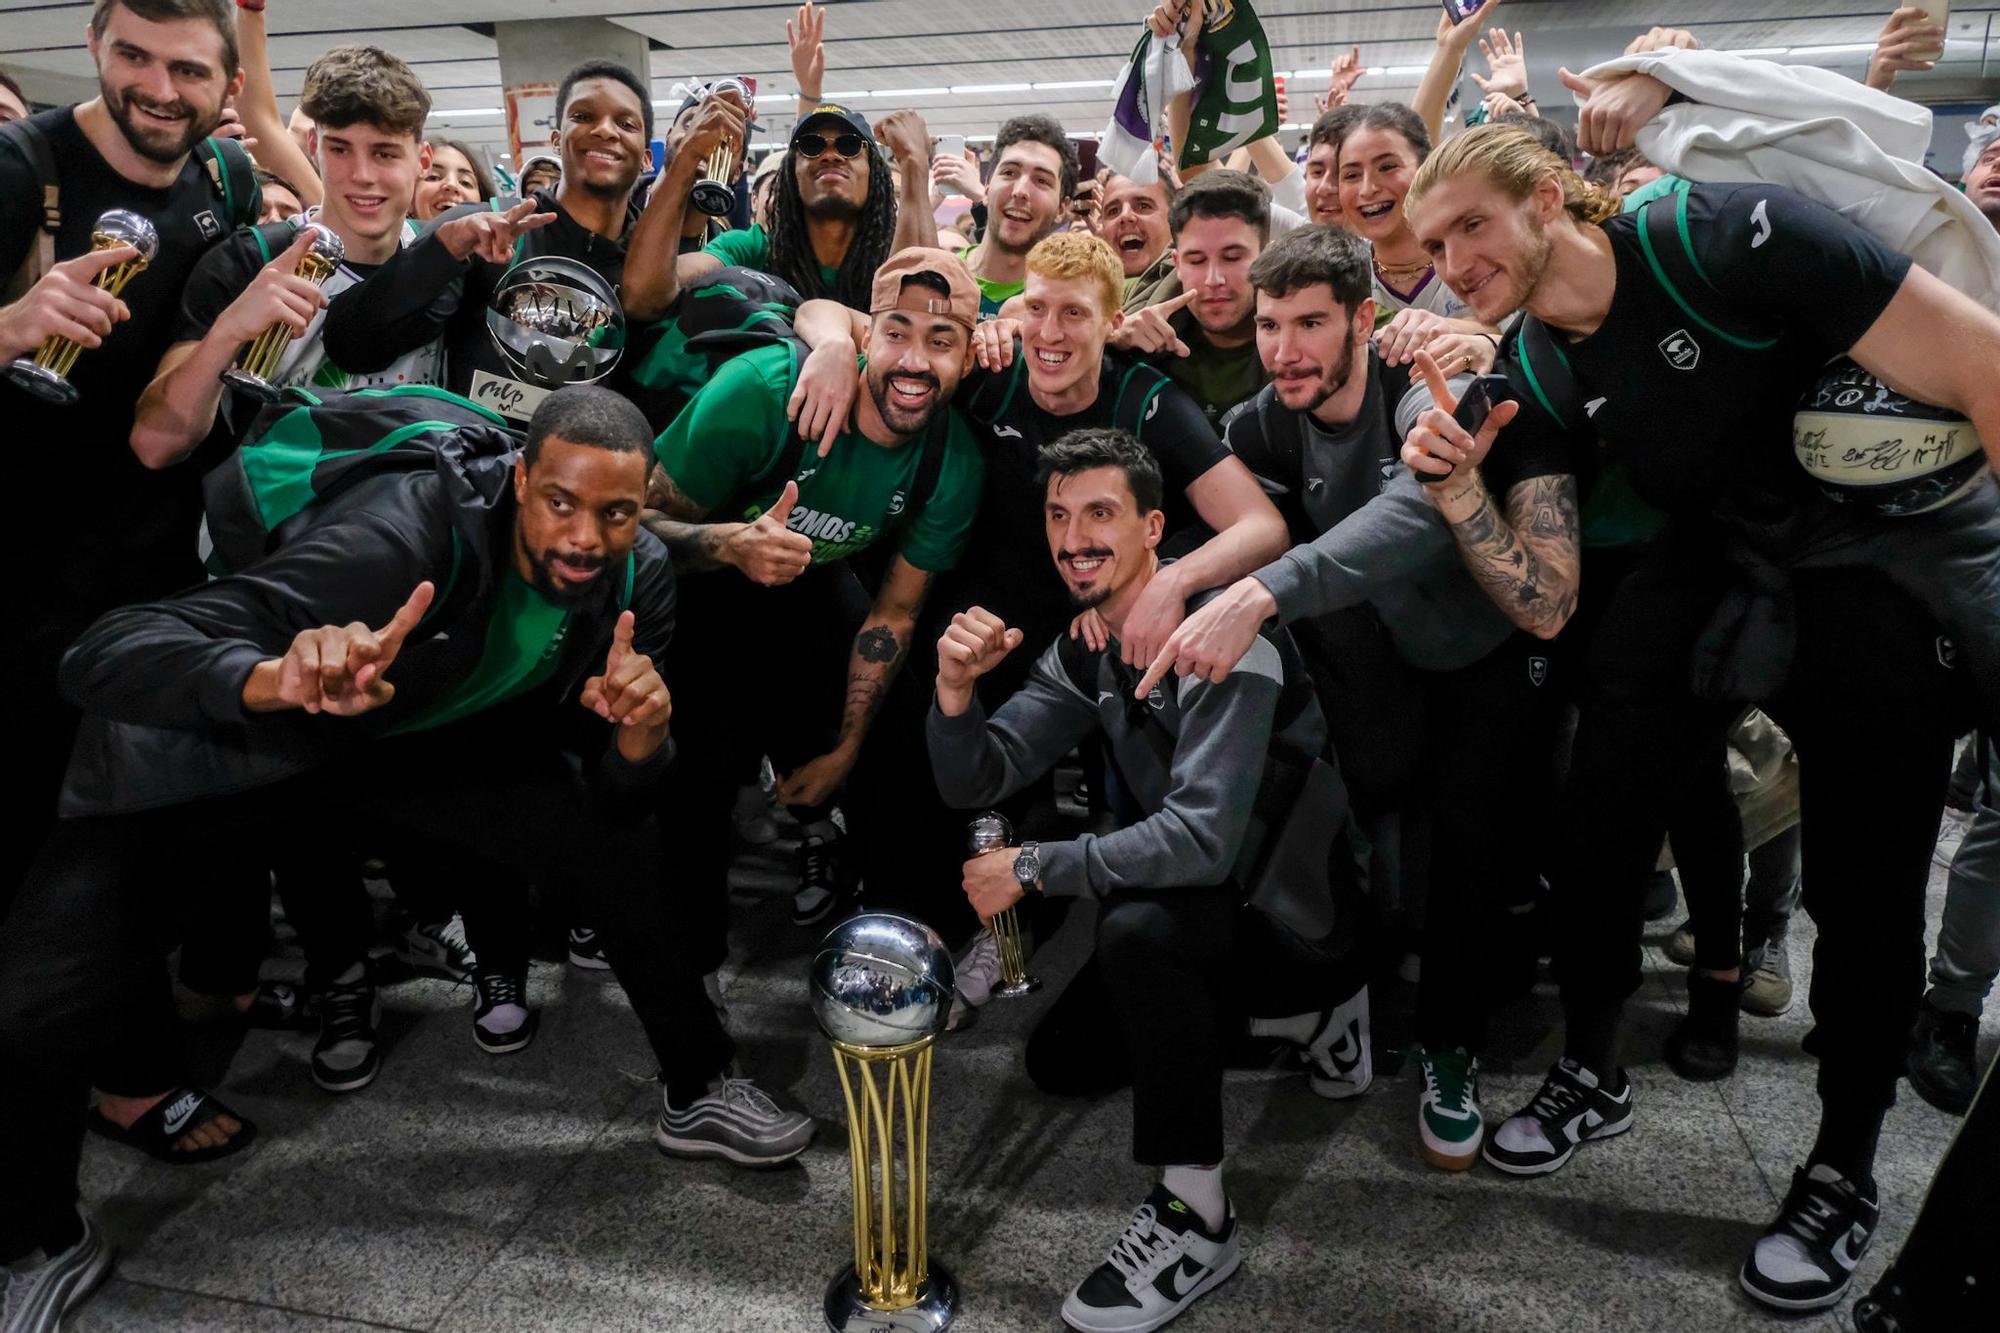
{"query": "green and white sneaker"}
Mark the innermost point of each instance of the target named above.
(1449, 1127)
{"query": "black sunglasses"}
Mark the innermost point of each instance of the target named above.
(813, 145)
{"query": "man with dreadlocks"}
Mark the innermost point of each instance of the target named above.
(835, 214)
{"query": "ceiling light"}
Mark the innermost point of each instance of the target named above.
(1404, 71)
(470, 111)
(958, 88)
(1076, 83)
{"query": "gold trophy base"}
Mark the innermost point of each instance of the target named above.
(1014, 990)
(42, 382)
(253, 386)
(848, 1310)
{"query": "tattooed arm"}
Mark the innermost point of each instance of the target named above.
(764, 549)
(1525, 558)
(878, 653)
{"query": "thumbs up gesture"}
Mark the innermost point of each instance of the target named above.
(337, 669)
(630, 694)
(973, 644)
(765, 549)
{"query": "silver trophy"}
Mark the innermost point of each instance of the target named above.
(991, 832)
(258, 366)
(556, 322)
(712, 194)
(46, 373)
(881, 988)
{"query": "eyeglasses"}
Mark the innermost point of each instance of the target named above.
(813, 145)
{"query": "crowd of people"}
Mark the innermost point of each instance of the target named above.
(1416, 543)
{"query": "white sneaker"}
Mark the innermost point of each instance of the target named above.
(1163, 1263)
(34, 1298)
(978, 972)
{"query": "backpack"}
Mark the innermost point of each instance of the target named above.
(230, 173)
(1540, 370)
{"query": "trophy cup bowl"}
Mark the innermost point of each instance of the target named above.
(253, 371)
(46, 373)
(881, 989)
(556, 322)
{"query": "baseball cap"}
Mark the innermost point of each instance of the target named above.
(962, 306)
(848, 116)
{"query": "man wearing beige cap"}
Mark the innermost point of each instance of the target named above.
(778, 649)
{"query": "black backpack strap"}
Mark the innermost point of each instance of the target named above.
(1137, 388)
(1668, 244)
(234, 177)
(995, 392)
(937, 442)
(1545, 373)
(28, 139)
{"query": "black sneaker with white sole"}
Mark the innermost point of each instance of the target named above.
(827, 877)
(1165, 1262)
(34, 1296)
(735, 1120)
(1806, 1257)
(502, 1022)
(585, 951)
(1339, 1060)
(1572, 1108)
(347, 1056)
(438, 948)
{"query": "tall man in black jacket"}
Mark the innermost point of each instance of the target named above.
(410, 657)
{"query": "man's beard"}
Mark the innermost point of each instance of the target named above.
(1099, 592)
(897, 418)
(154, 143)
(1537, 263)
(1332, 384)
(542, 577)
(833, 206)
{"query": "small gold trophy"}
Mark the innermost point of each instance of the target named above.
(46, 374)
(881, 989)
(255, 369)
(712, 193)
(991, 832)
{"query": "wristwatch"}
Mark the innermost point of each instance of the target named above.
(1028, 866)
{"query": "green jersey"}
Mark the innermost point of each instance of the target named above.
(523, 644)
(751, 248)
(731, 437)
(992, 295)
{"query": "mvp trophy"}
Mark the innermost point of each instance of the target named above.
(991, 832)
(712, 194)
(46, 374)
(255, 369)
(881, 989)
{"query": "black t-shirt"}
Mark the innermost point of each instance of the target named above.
(1007, 557)
(109, 530)
(1694, 415)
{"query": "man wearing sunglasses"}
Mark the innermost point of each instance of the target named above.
(836, 215)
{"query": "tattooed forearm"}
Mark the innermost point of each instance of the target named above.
(1527, 558)
(878, 652)
(676, 520)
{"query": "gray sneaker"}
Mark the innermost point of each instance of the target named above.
(1679, 947)
(736, 1120)
(34, 1299)
(1769, 989)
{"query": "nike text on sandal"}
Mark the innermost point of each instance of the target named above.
(1806, 1257)
(1570, 1109)
(737, 1121)
(175, 1115)
(1163, 1263)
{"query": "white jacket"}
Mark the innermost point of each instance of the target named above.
(1829, 138)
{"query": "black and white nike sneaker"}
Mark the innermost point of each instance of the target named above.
(1572, 1108)
(502, 1022)
(735, 1120)
(585, 951)
(1340, 1062)
(1164, 1262)
(1806, 1257)
(827, 875)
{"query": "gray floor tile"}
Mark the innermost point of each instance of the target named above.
(120, 1306)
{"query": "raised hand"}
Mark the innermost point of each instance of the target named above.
(1612, 111)
(961, 175)
(993, 343)
(765, 549)
(66, 303)
(1149, 331)
(1437, 445)
(1662, 39)
(1345, 70)
(973, 644)
(1209, 643)
(1458, 35)
(629, 691)
(904, 135)
(277, 295)
(490, 236)
(1507, 62)
(807, 41)
(337, 669)
(720, 118)
(1407, 334)
(1910, 40)
(1086, 203)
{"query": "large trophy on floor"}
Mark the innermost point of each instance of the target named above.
(46, 373)
(881, 990)
(991, 832)
(258, 366)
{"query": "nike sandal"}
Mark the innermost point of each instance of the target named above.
(155, 1132)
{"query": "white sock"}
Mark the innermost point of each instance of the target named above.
(1200, 1188)
(1298, 1029)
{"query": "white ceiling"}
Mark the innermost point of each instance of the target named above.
(876, 46)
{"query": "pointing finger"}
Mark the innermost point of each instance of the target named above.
(1169, 655)
(1178, 303)
(1441, 393)
(405, 620)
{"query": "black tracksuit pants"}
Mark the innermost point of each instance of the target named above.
(81, 946)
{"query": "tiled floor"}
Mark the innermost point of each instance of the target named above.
(463, 1192)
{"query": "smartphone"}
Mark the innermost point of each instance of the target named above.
(948, 145)
(1470, 414)
(1461, 10)
(1086, 160)
(1938, 12)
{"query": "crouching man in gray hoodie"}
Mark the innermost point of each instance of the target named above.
(1181, 959)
